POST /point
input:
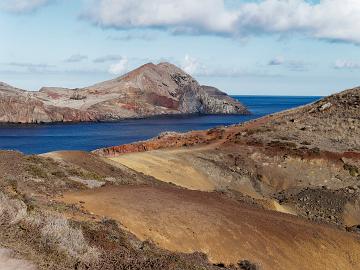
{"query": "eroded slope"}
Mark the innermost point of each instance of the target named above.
(304, 161)
(50, 234)
(226, 230)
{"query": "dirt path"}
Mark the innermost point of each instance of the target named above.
(188, 221)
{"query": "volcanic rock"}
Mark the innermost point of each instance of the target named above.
(149, 90)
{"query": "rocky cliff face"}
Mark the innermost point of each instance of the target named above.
(147, 91)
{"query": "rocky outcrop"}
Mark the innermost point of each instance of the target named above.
(164, 140)
(149, 90)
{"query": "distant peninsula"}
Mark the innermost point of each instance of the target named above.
(150, 90)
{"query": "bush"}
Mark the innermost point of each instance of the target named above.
(11, 210)
(247, 265)
(36, 171)
(353, 170)
(59, 174)
(56, 231)
(57, 234)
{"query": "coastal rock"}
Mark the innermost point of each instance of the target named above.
(149, 90)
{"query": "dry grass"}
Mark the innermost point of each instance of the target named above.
(11, 210)
(89, 183)
(57, 234)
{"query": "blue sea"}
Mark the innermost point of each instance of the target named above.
(36, 139)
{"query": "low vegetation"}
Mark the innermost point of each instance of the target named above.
(49, 234)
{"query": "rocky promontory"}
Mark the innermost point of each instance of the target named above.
(149, 90)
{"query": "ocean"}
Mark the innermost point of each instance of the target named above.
(36, 139)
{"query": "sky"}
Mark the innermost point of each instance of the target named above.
(243, 47)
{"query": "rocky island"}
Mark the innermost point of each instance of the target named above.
(149, 90)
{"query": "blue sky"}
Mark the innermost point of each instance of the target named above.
(269, 47)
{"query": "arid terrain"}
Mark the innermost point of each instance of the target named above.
(149, 90)
(280, 192)
(225, 230)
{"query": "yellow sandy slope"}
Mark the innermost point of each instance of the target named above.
(168, 166)
(228, 231)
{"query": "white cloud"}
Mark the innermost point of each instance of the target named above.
(197, 68)
(346, 64)
(277, 61)
(120, 67)
(31, 67)
(292, 65)
(180, 16)
(337, 20)
(22, 6)
(190, 65)
(133, 36)
(76, 58)
(297, 65)
(107, 58)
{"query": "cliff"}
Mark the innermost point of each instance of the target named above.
(149, 90)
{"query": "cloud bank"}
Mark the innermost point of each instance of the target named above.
(120, 67)
(23, 6)
(196, 67)
(334, 20)
(346, 64)
(108, 58)
(277, 61)
(31, 67)
(292, 65)
(76, 58)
